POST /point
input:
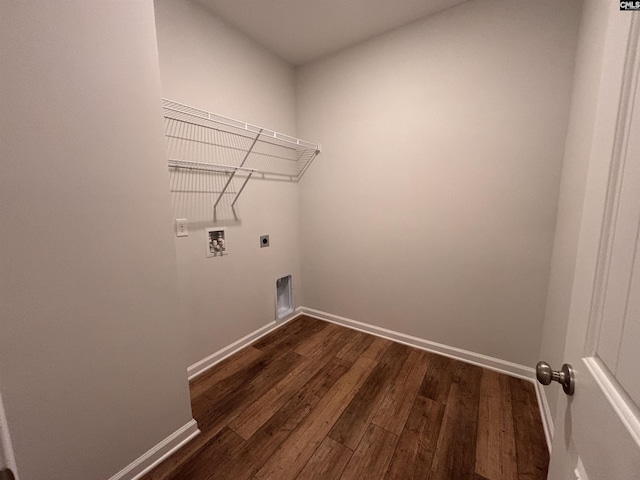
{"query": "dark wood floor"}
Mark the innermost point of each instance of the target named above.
(314, 400)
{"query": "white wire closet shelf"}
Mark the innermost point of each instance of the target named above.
(198, 140)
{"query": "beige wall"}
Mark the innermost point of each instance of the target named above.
(91, 353)
(432, 210)
(206, 64)
(572, 187)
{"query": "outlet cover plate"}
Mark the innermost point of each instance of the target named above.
(182, 227)
(264, 241)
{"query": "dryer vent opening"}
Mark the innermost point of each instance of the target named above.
(284, 297)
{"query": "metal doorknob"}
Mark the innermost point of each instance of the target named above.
(6, 474)
(564, 376)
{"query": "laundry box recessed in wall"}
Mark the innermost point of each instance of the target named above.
(284, 296)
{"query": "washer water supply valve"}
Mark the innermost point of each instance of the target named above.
(216, 245)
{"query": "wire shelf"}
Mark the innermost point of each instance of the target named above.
(195, 135)
(198, 140)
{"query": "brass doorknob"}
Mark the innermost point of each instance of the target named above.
(564, 376)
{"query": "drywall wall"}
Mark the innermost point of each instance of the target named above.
(572, 186)
(433, 210)
(207, 64)
(91, 353)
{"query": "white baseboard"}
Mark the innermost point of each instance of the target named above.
(479, 359)
(485, 361)
(545, 413)
(205, 364)
(160, 452)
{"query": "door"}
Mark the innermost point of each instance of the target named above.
(597, 430)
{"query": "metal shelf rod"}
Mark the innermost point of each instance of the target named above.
(207, 167)
(240, 191)
(233, 174)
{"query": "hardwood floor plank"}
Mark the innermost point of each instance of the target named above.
(213, 411)
(495, 447)
(531, 450)
(328, 461)
(507, 435)
(221, 387)
(335, 342)
(372, 457)
(355, 419)
(290, 335)
(417, 444)
(261, 446)
(455, 451)
(257, 414)
(253, 417)
(377, 349)
(354, 348)
(396, 405)
(488, 440)
(229, 366)
(296, 450)
(316, 341)
(438, 378)
(205, 462)
(305, 401)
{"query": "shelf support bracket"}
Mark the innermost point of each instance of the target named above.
(241, 189)
(233, 174)
(307, 165)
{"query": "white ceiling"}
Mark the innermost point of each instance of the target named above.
(303, 30)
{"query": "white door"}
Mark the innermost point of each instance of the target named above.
(597, 430)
